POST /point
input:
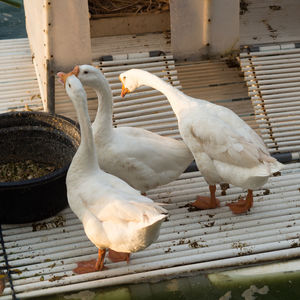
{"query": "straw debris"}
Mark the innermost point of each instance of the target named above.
(111, 8)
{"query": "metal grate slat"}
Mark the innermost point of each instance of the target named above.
(145, 104)
(272, 77)
(19, 88)
(41, 259)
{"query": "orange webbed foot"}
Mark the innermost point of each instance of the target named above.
(242, 205)
(92, 265)
(203, 202)
(115, 256)
(87, 266)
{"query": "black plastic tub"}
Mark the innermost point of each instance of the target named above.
(43, 138)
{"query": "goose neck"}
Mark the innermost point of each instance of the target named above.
(103, 120)
(176, 98)
(85, 157)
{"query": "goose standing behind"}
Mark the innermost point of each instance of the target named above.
(143, 159)
(113, 214)
(225, 148)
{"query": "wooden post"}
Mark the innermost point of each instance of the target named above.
(59, 36)
(201, 28)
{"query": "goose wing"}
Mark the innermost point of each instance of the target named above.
(119, 208)
(229, 139)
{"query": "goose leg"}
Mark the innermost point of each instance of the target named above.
(99, 266)
(92, 265)
(242, 205)
(203, 202)
(115, 256)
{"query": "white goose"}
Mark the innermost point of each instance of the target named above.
(113, 214)
(143, 159)
(225, 148)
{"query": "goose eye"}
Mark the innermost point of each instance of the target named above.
(124, 77)
(69, 85)
(85, 72)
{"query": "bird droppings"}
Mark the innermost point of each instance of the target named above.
(181, 242)
(169, 250)
(190, 207)
(196, 245)
(275, 7)
(55, 278)
(58, 221)
(193, 208)
(271, 29)
(295, 245)
(52, 266)
(42, 278)
(224, 187)
(243, 7)
(47, 260)
(239, 245)
(266, 192)
(16, 271)
(209, 224)
(277, 174)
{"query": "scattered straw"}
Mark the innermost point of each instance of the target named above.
(105, 8)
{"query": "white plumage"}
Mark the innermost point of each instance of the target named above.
(225, 148)
(114, 214)
(143, 159)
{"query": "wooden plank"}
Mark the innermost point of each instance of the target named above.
(133, 24)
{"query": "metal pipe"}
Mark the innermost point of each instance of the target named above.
(136, 60)
(121, 68)
(272, 52)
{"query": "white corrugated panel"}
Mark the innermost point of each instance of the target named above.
(42, 255)
(19, 88)
(272, 75)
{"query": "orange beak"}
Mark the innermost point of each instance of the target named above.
(75, 71)
(63, 76)
(124, 91)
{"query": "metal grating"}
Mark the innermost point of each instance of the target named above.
(272, 74)
(146, 107)
(41, 256)
(19, 88)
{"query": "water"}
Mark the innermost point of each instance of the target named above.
(12, 22)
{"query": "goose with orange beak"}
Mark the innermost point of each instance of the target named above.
(114, 215)
(225, 148)
(140, 157)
